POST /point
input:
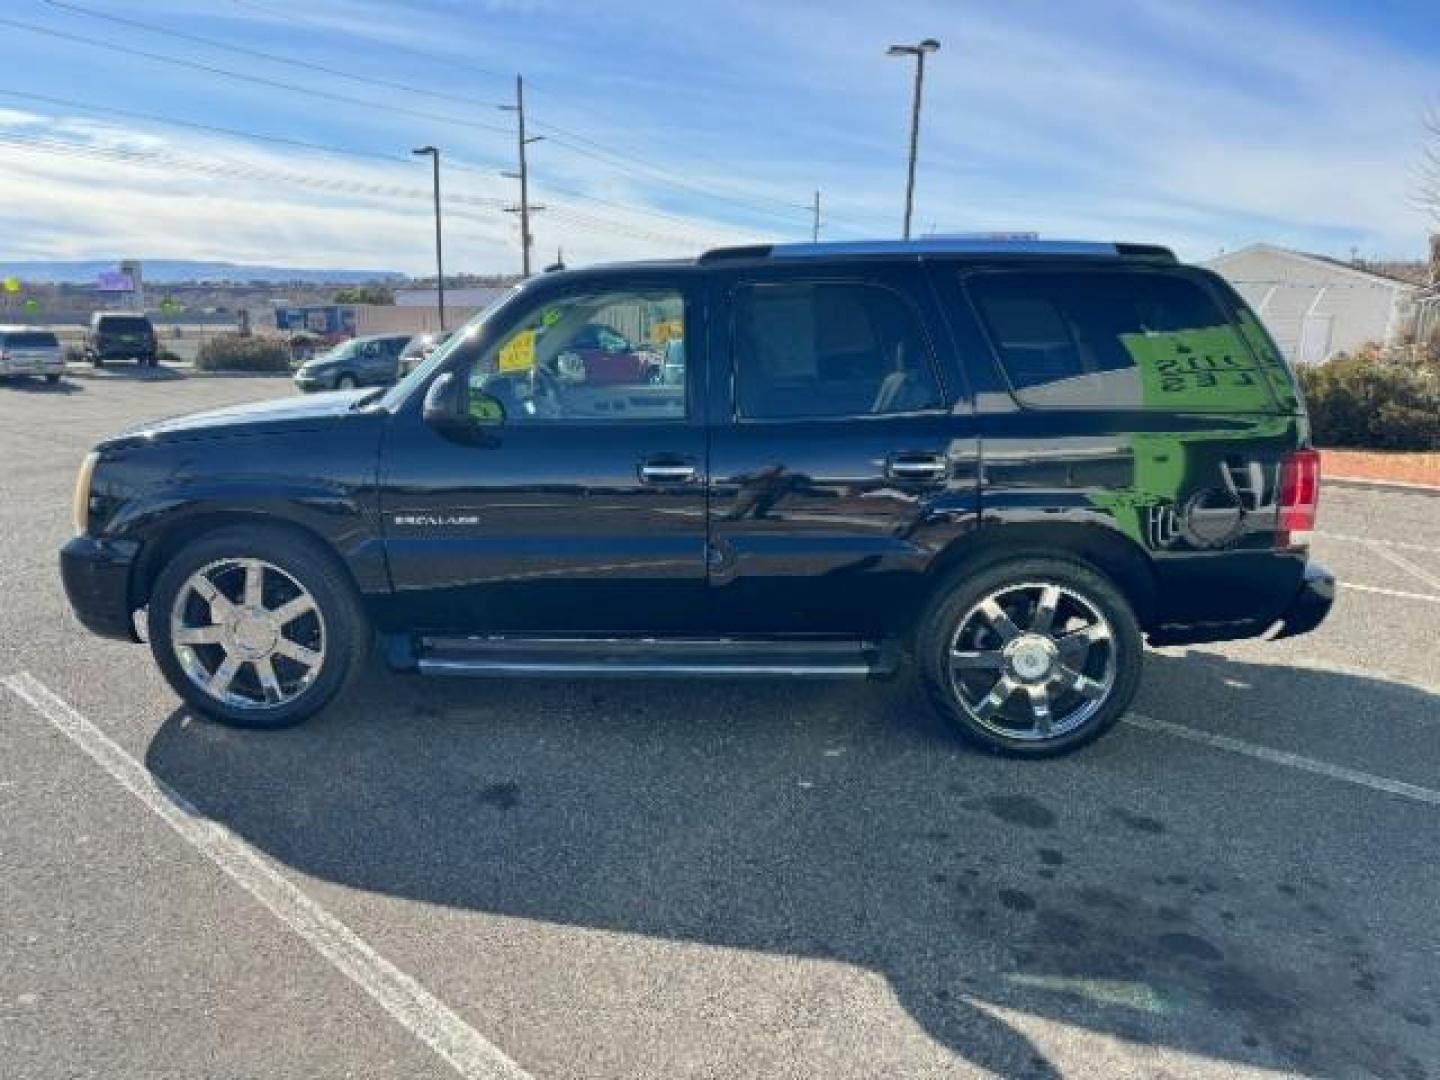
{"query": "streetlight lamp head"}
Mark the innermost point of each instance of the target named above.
(929, 45)
(899, 50)
(424, 150)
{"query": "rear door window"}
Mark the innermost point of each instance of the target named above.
(1117, 340)
(829, 349)
(29, 339)
(124, 325)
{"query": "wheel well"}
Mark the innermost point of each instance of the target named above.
(1102, 549)
(159, 550)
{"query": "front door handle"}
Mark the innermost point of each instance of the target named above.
(926, 467)
(667, 472)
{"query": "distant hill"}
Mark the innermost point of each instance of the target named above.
(178, 271)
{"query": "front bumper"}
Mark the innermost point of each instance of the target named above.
(1311, 604)
(96, 574)
(308, 383)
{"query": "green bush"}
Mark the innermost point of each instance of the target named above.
(1366, 402)
(231, 352)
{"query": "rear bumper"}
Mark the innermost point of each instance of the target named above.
(1311, 604)
(96, 574)
(32, 367)
(1306, 609)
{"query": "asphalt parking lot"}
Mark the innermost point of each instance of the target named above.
(444, 878)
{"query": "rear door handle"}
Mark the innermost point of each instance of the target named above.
(666, 472)
(917, 467)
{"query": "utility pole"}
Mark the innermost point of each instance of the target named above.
(433, 153)
(815, 226)
(918, 51)
(524, 209)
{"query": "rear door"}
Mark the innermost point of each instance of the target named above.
(834, 444)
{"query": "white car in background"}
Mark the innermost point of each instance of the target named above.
(27, 351)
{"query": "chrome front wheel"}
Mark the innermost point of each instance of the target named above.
(247, 634)
(1032, 661)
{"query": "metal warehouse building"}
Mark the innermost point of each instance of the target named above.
(1316, 306)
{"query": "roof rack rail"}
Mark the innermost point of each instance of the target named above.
(983, 244)
(745, 251)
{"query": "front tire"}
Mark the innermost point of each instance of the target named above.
(346, 382)
(1030, 657)
(257, 627)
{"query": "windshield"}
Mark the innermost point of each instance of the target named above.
(335, 352)
(458, 339)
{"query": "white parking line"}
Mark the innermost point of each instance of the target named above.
(1418, 572)
(1293, 761)
(1397, 593)
(421, 1013)
(1404, 544)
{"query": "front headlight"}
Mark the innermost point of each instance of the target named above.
(82, 493)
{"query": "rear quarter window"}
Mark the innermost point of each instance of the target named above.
(29, 339)
(1117, 340)
(113, 324)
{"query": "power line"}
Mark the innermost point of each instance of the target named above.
(261, 54)
(429, 57)
(339, 151)
(257, 79)
(237, 170)
(601, 152)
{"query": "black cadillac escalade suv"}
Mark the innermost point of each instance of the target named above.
(1009, 461)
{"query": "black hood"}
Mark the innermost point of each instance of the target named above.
(259, 417)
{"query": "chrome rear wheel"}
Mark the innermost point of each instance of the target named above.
(1032, 661)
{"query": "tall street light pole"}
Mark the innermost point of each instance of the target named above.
(918, 51)
(433, 154)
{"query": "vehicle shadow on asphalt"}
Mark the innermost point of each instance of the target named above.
(136, 373)
(843, 822)
(36, 385)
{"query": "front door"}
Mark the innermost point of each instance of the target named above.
(581, 510)
(830, 452)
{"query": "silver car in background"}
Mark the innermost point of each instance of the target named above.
(27, 351)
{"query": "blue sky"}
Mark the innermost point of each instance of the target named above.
(669, 127)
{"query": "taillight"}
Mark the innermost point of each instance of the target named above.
(1299, 498)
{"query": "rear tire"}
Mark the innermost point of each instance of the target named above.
(346, 382)
(257, 655)
(1025, 683)
(52, 379)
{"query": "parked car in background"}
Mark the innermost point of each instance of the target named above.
(419, 348)
(601, 354)
(119, 335)
(361, 361)
(27, 351)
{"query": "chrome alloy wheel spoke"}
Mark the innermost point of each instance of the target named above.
(1062, 663)
(247, 653)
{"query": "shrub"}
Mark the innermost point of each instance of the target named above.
(231, 352)
(1370, 403)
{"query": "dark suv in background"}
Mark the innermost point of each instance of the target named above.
(117, 335)
(1010, 462)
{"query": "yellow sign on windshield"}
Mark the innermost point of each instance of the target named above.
(518, 354)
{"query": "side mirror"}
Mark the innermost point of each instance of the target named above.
(442, 410)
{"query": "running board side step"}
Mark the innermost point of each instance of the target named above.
(647, 657)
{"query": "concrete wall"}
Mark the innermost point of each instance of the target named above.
(386, 319)
(1315, 309)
